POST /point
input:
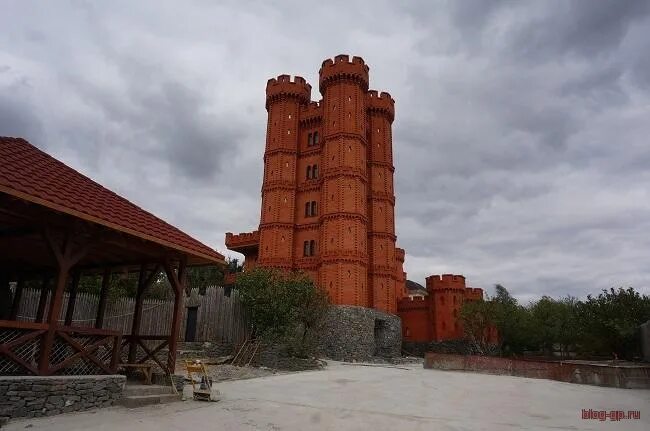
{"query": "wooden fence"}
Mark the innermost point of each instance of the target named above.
(220, 316)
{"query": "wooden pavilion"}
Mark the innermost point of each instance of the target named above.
(57, 225)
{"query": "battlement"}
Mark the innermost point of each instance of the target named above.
(342, 68)
(399, 254)
(473, 293)
(285, 85)
(244, 240)
(412, 303)
(381, 102)
(312, 111)
(446, 281)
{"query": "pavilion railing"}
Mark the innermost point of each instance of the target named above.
(140, 349)
(74, 350)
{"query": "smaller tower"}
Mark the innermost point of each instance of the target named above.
(446, 293)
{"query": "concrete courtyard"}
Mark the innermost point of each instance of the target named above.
(356, 397)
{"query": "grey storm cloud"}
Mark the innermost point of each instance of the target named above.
(520, 140)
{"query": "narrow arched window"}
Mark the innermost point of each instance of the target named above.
(313, 208)
(305, 248)
(316, 138)
(312, 248)
(309, 172)
(442, 299)
(307, 209)
(314, 171)
(309, 140)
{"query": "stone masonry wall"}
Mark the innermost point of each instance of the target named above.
(359, 333)
(31, 396)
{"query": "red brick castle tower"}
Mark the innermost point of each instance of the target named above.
(328, 203)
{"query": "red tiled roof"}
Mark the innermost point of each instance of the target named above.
(30, 174)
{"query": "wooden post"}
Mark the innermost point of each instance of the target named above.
(72, 298)
(144, 281)
(103, 298)
(137, 314)
(18, 294)
(45, 288)
(52, 319)
(178, 284)
(5, 295)
(66, 258)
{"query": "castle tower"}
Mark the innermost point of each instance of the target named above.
(327, 195)
(344, 219)
(381, 233)
(284, 98)
(447, 294)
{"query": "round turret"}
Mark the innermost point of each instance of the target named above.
(341, 68)
(381, 103)
(284, 86)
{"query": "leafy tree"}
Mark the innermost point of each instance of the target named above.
(610, 321)
(478, 317)
(283, 306)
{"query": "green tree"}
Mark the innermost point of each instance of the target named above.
(609, 322)
(283, 307)
(478, 317)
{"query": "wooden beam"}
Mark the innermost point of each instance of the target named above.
(103, 298)
(178, 283)
(18, 294)
(137, 312)
(72, 298)
(66, 257)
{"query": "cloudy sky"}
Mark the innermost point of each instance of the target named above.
(521, 139)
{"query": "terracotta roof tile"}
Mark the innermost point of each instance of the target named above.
(26, 171)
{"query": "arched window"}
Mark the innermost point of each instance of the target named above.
(307, 209)
(305, 248)
(309, 172)
(313, 208)
(314, 171)
(316, 138)
(312, 248)
(442, 300)
(309, 140)
(454, 299)
(455, 313)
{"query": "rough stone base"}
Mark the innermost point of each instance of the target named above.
(357, 333)
(32, 396)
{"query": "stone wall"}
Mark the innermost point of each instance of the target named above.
(617, 376)
(31, 396)
(359, 333)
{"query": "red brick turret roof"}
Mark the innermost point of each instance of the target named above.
(32, 175)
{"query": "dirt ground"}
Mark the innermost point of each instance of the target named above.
(376, 397)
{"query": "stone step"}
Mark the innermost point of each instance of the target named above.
(147, 400)
(139, 390)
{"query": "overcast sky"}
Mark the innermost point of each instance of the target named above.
(521, 138)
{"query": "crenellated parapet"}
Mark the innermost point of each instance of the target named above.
(400, 254)
(242, 240)
(311, 113)
(381, 104)
(473, 294)
(445, 281)
(285, 87)
(413, 303)
(342, 69)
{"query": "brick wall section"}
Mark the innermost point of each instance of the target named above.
(27, 396)
(630, 377)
